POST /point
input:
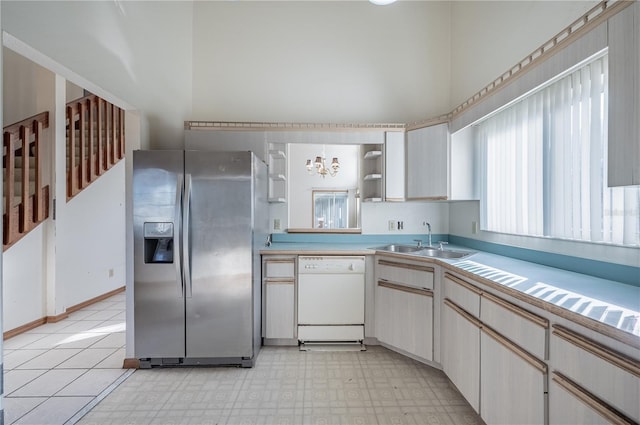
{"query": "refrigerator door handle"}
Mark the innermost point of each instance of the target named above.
(186, 252)
(177, 219)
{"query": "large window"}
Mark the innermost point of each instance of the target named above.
(543, 165)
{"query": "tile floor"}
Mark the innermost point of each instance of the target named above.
(71, 372)
(56, 371)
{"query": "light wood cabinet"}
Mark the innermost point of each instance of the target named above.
(463, 293)
(404, 306)
(501, 380)
(513, 382)
(428, 163)
(572, 404)
(613, 379)
(394, 176)
(279, 295)
(524, 328)
(460, 351)
(405, 318)
(624, 97)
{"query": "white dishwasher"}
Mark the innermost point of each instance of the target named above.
(331, 299)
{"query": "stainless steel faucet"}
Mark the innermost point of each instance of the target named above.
(429, 229)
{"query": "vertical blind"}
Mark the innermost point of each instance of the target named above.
(543, 165)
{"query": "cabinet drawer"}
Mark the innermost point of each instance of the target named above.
(416, 275)
(279, 267)
(571, 404)
(462, 293)
(519, 325)
(608, 375)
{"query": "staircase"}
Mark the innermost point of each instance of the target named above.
(25, 198)
(95, 142)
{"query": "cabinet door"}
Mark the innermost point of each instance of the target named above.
(460, 345)
(604, 372)
(624, 97)
(509, 373)
(394, 172)
(406, 318)
(280, 308)
(428, 163)
(571, 404)
(384, 319)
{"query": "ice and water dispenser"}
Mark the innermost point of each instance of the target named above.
(158, 243)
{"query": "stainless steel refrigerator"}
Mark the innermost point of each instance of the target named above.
(199, 219)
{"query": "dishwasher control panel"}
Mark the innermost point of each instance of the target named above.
(331, 265)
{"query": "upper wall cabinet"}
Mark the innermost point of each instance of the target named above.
(428, 163)
(463, 167)
(624, 97)
(395, 166)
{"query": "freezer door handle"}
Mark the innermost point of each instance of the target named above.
(177, 219)
(186, 252)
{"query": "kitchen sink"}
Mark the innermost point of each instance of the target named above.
(443, 253)
(400, 248)
(425, 251)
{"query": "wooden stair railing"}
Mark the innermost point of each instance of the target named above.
(95, 140)
(26, 200)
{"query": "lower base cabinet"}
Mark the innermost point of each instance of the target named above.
(598, 380)
(404, 318)
(460, 339)
(572, 404)
(513, 384)
(280, 297)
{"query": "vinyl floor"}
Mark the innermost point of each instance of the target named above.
(287, 386)
(71, 372)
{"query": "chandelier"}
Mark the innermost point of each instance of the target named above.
(320, 167)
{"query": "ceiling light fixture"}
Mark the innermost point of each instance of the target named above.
(321, 168)
(382, 2)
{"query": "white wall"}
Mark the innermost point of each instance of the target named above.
(23, 286)
(324, 61)
(376, 216)
(489, 37)
(90, 240)
(138, 51)
(327, 61)
(28, 89)
(462, 214)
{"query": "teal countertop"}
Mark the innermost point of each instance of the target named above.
(608, 302)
